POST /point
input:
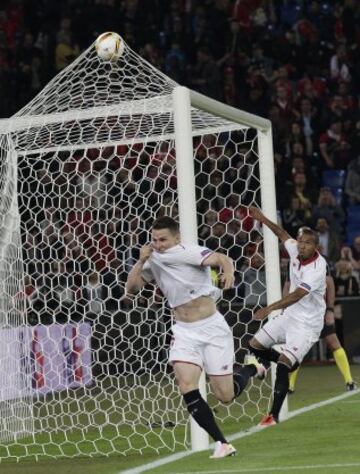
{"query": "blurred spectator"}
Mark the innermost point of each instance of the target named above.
(334, 148)
(206, 75)
(329, 243)
(348, 101)
(345, 282)
(284, 270)
(92, 187)
(309, 119)
(294, 216)
(355, 248)
(254, 282)
(295, 136)
(352, 185)
(60, 294)
(33, 300)
(340, 65)
(65, 51)
(354, 137)
(346, 254)
(301, 191)
(326, 207)
(219, 238)
(210, 219)
(95, 295)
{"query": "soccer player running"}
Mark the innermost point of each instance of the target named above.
(300, 323)
(202, 340)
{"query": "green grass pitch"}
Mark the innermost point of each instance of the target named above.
(327, 436)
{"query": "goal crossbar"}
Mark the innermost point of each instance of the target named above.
(227, 112)
(155, 105)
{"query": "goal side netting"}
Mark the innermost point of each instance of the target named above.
(85, 168)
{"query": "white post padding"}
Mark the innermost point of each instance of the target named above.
(187, 211)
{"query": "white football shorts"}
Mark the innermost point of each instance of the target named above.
(295, 338)
(207, 343)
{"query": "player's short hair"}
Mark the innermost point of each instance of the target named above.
(166, 222)
(308, 231)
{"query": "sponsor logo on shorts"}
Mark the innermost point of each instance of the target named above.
(224, 367)
(295, 349)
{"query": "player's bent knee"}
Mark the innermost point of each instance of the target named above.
(294, 367)
(185, 387)
(258, 350)
(255, 344)
(224, 396)
(290, 362)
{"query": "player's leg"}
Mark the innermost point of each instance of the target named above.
(298, 342)
(218, 357)
(292, 380)
(327, 333)
(226, 388)
(281, 387)
(270, 334)
(187, 377)
(340, 356)
(186, 358)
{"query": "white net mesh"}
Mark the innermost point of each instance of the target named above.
(94, 158)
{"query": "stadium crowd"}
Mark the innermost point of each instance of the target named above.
(292, 61)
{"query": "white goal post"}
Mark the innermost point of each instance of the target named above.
(85, 167)
(183, 100)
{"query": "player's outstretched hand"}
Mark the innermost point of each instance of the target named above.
(256, 213)
(145, 252)
(261, 314)
(227, 281)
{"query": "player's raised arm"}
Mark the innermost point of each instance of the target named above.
(135, 281)
(278, 231)
(226, 266)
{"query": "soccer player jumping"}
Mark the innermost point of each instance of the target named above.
(300, 323)
(202, 340)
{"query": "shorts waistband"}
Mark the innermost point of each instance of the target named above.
(196, 324)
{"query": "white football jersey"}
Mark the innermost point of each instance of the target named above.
(311, 276)
(180, 275)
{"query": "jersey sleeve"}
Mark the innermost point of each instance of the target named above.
(146, 273)
(312, 280)
(291, 247)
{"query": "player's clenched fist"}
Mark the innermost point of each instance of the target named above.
(227, 280)
(145, 253)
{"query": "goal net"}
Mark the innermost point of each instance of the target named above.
(85, 168)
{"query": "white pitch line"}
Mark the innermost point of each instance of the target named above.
(276, 469)
(240, 434)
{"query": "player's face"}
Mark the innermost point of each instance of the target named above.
(306, 246)
(163, 239)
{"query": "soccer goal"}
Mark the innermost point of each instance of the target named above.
(86, 166)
